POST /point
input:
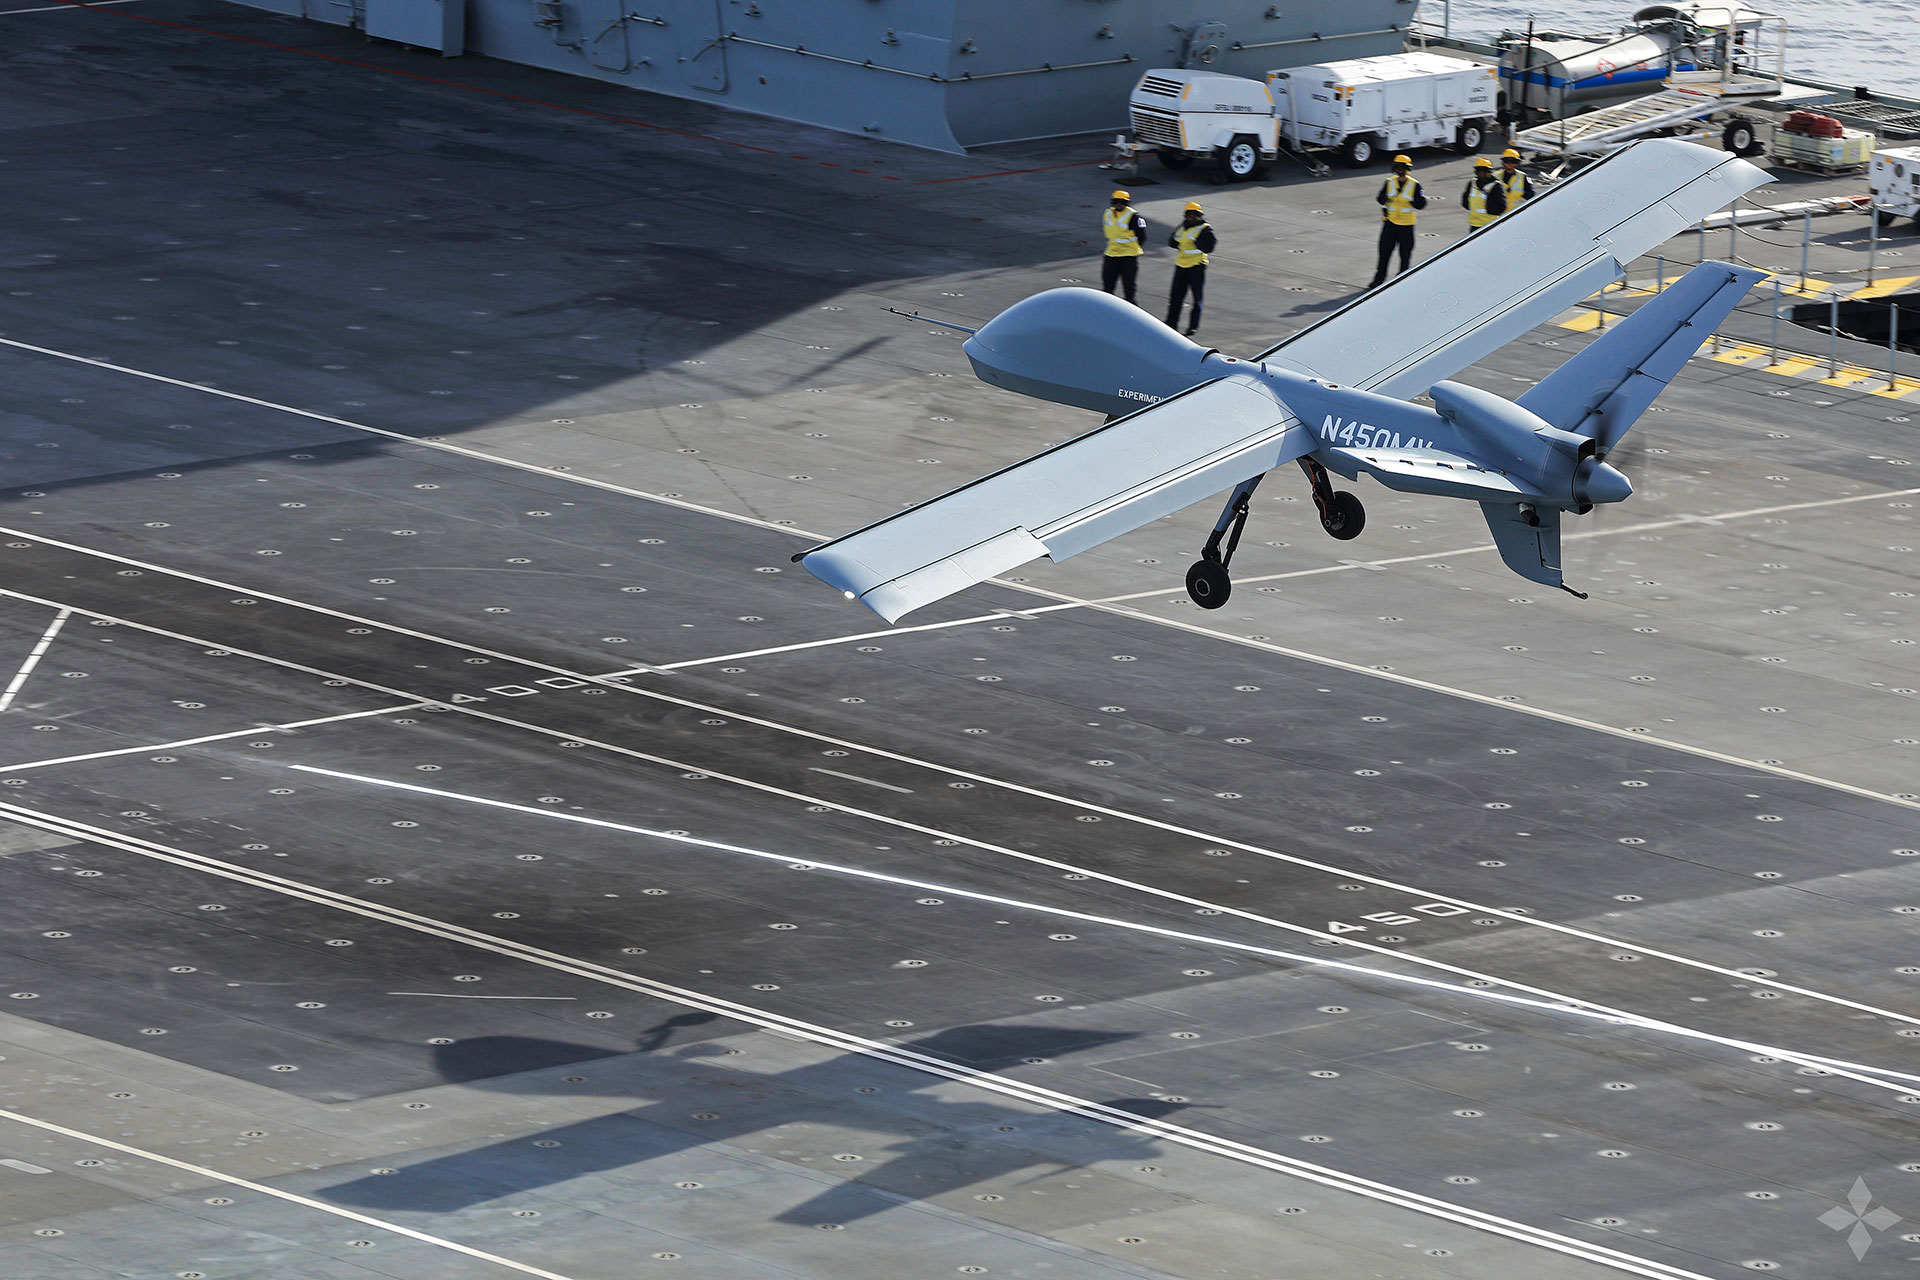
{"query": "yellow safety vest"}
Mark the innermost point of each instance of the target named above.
(1477, 215)
(1516, 190)
(1122, 241)
(1185, 254)
(1400, 201)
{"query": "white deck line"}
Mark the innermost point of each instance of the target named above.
(474, 710)
(1571, 1006)
(1049, 1099)
(33, 658)
(307, 1202)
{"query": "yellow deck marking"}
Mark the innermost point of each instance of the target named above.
(1812, 288)
(1585, 320)
(1893, 284)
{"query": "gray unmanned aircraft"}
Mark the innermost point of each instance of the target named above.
(1185, 421)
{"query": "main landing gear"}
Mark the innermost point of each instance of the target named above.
(1341, 515)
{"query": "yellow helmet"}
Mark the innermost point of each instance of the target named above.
(1119, 195)
(1510, 154)
(1483, 163)
(1403, 159)
(1194, 205)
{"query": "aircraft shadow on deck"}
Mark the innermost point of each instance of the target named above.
(931, 1151)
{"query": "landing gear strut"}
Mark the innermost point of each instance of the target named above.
(1207, 582)
(1341, 514)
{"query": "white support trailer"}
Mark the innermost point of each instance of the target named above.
(1187, 115)
(1893, 178)
(1691, 99)
(1361, 107)
(1365, 106)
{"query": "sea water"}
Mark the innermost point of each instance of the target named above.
(1841, 42)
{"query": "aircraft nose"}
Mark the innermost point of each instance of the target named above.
(1604, 484)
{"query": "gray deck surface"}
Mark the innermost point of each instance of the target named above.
(449, 426)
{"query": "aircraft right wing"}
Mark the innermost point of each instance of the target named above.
(1519, 271)
(1075, 495)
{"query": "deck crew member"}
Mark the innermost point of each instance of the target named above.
(1484, 198)
(1400, 201)
(1126, 235)
(1519, 186)
(1191, 241)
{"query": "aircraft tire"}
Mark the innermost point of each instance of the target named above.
(1349, 517)
(1208, 584)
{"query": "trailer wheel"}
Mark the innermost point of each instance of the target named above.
(1739, 138)
(1240, 158)
(1357, 151)
(1171, 159)
(1472, 134)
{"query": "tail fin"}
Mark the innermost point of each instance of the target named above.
(1603, 391)
(1531, 547)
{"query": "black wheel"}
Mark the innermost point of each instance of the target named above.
(1208, 584)
(1357, 151)
(1171, 159)
(1884, 218)
(1239, 159)
(1471, 135)
(1738, 137)
(1348, 518)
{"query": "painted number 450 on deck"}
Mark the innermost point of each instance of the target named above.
(1429, 909)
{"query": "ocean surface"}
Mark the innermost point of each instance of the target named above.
(1843, 42)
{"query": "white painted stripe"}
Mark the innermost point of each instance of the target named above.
(854, 777)
(1415, 958)
(424, 442)
(456, 995)
(33, 659)
(1580, 1009)
(180, 743)
(1537, 922)
(1033, 1094)
(1489, 700)
(93, 1139)
(888, 634)
(64, 8)
(1569, 536)
(1115, 606)
(685, 767)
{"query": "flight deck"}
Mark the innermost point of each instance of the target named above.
(443, 834)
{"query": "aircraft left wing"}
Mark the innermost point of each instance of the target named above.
(1520, 271)
(1074, 496)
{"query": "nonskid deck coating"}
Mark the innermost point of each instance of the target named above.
(1102, 853)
